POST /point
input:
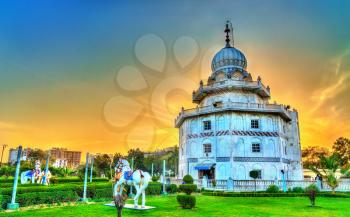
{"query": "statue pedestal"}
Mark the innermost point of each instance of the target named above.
(12, 206)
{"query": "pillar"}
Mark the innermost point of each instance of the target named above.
(13, 204)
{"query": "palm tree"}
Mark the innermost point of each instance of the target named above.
(328, 168)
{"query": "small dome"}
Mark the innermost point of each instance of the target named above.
(228, 59)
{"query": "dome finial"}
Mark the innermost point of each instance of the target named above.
(228, 31)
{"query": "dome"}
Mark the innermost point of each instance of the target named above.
(228, 59)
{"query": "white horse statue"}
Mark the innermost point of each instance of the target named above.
(32, 175)
(138, 178)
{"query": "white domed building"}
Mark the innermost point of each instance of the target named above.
(234, 129)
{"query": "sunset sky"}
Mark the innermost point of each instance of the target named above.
(106, 77)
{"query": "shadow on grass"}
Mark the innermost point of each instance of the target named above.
(315, 207)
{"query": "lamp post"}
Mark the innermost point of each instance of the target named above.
(132, 169)
(84, 199)
(2, 153)
(284, 184)
(164, 180)
(44, 181)
(152, 170)
(92, 167)
(13, 204)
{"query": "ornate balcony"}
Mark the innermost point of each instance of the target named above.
(234, 106)
(226, 85)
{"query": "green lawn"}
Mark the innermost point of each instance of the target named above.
(208, 206)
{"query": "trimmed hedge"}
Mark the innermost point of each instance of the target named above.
(62, 187)
(29, 199)
(187, 179)
(188, 188)
(172, 188)
(272, 189)
(186, 201)
(253, 194)
(55, 194)
(56, 180)
(154, 188)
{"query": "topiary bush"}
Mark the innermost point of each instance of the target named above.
(188, 179)
(172, 188)
(186, 201)
(298, 190)
(155, 178)
(188, 188)
(272, 189)
(154, 188)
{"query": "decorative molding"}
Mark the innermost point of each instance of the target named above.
(234, 133)
(256, 159)
(222, 159)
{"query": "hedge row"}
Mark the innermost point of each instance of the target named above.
(253, 194)
(53, 180)
(49, 195)
(38, 194)
(61, 187)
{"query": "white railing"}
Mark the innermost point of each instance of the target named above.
(261, 185)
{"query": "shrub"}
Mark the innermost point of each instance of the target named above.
(264, 194)
(273, 189)
(311, 192)
(103, 193)
(188, 188)
(28, 199)
(155, 178)
(154, 188)
(298, 190)
(188, 179)
(186, 201)
(172, 188)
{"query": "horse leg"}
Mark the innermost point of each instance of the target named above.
(138, 192)
(121, 188)
(115, 189)
(143, 199)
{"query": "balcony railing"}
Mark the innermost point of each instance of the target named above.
(234, 106)
(221, 85)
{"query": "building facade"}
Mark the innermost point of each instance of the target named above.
(13, 155)
(234, 129)
(65, 158)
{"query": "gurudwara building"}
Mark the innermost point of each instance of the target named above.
(234, 129)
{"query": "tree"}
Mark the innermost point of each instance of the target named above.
(254, 174)
(341, 148)
(173, 159)
(311, 156)
(116, 158)
(327, 169)
(102, 162)
(37, 154)
(138, 156)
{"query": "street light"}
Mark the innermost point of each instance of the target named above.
(2, 153)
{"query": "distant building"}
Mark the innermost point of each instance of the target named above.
(65, 158)
(13, 155)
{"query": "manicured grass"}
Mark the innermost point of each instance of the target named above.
(208, 206)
